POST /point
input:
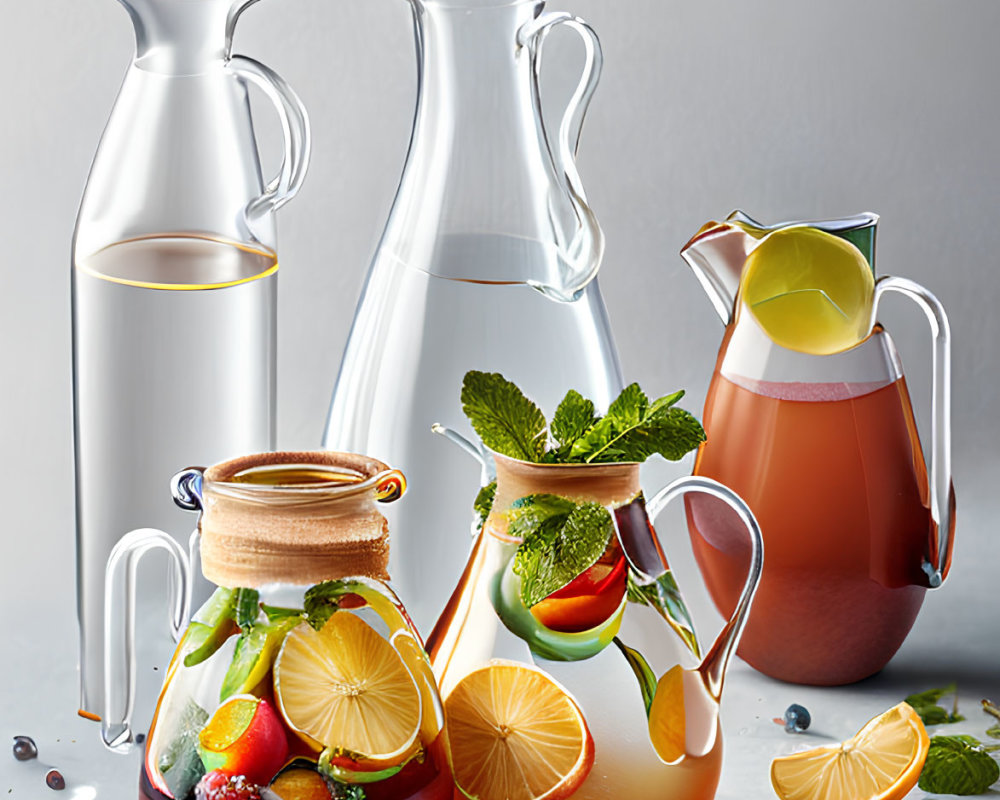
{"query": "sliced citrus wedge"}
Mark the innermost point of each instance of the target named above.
(810, 291)
(881, 762)
(516, 735)
(345, 687)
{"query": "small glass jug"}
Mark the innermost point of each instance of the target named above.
(600, 690)
(808, 417)
(174, 280)
(490, 255)
(302, 673)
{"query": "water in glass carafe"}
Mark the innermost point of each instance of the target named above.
(174, 280)
(489, 258)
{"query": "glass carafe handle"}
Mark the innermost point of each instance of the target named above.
(942, 491)
(714, 665)
(584, 249)
(119, 624)
(295, 129)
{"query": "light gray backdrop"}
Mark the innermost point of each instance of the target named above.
(786, 108)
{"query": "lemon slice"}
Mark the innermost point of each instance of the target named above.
(881, 762)
(810, 291)
(345, 687)
(516, 735)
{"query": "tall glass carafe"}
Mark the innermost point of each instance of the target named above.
(174, 284)
(489, 257)
(808, 417)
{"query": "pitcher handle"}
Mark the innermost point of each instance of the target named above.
(119, 625)
(586, 246)
(295, 130)
(714, 665)
(942, 491)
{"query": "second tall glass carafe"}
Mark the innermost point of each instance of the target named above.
(488, 261)
(174, 284)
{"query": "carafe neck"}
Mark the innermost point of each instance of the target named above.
(181, 37)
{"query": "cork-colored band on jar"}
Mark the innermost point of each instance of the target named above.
(294, 517)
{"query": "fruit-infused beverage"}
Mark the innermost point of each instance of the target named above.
(566, 659)
(302, 676)
(817, 444)
(808, 418)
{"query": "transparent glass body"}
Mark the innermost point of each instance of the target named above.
(302, 675)
(617, 640)
(825, 450)
(174, 275)
(488, 261)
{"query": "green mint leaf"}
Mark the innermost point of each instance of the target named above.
(560, 540)
(179, 763)
(994, 732)
(958, 765)
(484, 502)
(633, 430)
(643, 673)
(247, 607)
(322, 600)
(926, 705)
(276, 613)
(261, 641)
(507, 421)
(664, 597)
(573, 418)
(211, 625)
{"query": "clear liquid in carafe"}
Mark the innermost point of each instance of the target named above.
(173, 364)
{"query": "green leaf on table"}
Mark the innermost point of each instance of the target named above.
(634, 430)
(994, 711)
(926, 705)
(507, 421)
(958, 765)
(560, 539)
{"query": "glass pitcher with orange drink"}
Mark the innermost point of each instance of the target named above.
(566, 657)
(302, 676)
(808, 417)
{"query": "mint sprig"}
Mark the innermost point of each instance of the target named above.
(560, 539)
(926, 705)
(632, 430)
(958, 765)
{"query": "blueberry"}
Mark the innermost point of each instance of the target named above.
(24, 748)
(55, 780)
(797, 718)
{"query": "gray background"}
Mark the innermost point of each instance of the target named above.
(786, 109)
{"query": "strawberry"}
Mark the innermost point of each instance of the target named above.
(216, 785)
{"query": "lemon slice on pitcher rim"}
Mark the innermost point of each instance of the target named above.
(516, 734)
(346, 687)
(881, 762)
(809, 290)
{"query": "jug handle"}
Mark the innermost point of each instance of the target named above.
(588, 243)
(713, 666)
(119, 623)
(942, 491)
(295, 130)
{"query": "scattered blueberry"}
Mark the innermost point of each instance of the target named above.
(140, 738)
(55, 780)
(797, 718)
(24, 748)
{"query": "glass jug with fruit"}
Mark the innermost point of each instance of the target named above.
(302, 676)
(174, 284)
(808, 417)
(490, 255)
(566, 658)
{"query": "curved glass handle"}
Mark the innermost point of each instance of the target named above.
(584, 249)
(714, 665)
(295, 129)
(119, 625)
(942, 491)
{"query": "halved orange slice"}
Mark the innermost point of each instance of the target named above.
(881, 762)
(516, 734)
(345, 687)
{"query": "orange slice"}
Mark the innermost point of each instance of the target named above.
(666, 716)
(881, 762)
(346, 687)
(516, 735)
